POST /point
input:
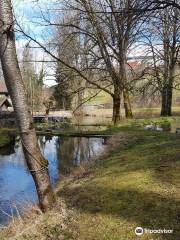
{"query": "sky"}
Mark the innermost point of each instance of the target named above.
(29, 16)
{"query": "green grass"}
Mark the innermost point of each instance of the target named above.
(135, 183)
(152, 112)
(101, 98)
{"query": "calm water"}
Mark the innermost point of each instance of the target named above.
(16, 184)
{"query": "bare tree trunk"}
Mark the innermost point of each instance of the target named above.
(170, 57)
(123, 72)
(116, 106)
(166, 107)
(37, 165)
(47, 113)
(116, 110)
(127, 105)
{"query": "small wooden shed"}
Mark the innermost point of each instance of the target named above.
(5, 102)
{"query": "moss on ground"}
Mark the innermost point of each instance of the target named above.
(5, 140)
(135, 183)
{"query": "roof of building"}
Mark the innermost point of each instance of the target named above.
(3, 88)
(5, 100)
(134, 64)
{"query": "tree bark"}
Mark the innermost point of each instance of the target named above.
(166, 107)
(36, 163)
(124, 80)
(116, 107)
(127, 105)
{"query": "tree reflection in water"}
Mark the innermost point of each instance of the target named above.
(77, 150)
(69, 152)
(16, 184)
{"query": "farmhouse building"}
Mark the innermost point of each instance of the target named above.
(5, 101)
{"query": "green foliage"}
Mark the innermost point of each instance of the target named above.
(62, 95)
(5, 140)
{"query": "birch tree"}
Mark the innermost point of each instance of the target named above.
(36, 163)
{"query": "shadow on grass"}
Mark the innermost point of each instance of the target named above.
(159, 154)
(147, 209)
(151, 162)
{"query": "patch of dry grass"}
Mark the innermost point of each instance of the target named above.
(34, 225)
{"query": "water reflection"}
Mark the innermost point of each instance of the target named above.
(74, 151)
(16, 184)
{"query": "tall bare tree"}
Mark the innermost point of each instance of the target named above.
(170, 38)
(111, 27)
(162, 4)
(37, 165)
(162, 39)
(33, 80)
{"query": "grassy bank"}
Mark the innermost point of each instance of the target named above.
(91, 129)
(106, 114)
(135, 183)
(5, 140)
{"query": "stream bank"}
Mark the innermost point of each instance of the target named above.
(135, 183)
(5, 140)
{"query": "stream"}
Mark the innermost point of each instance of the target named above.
(17, 188)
